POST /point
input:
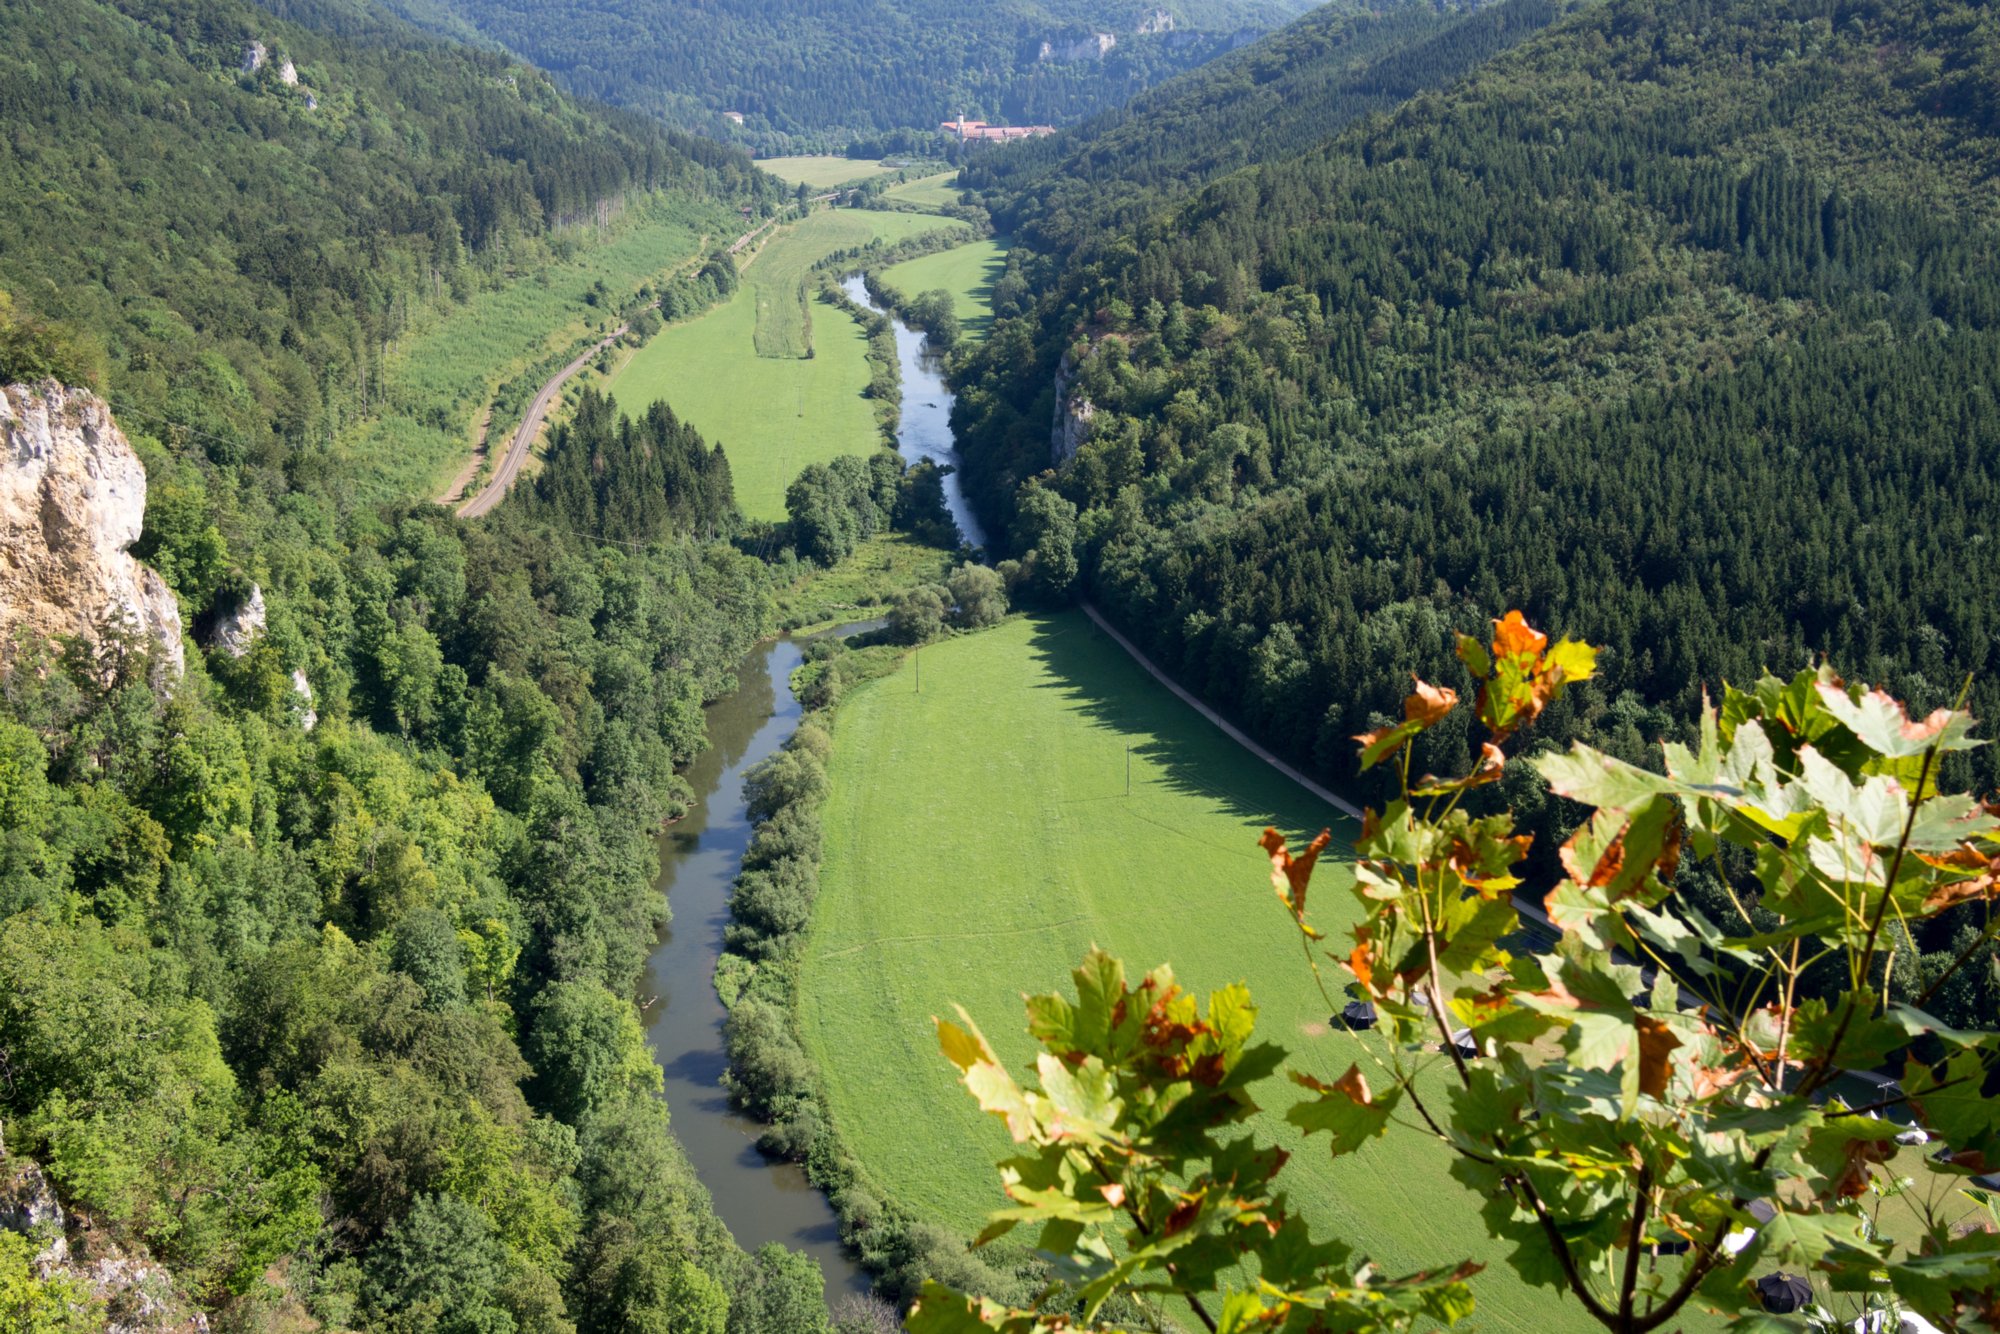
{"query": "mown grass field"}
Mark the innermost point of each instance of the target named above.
(448, 370)
(928, 192)
(822, 172)
(777, 273)
(772, 417)
(967, 272)
(979, 839)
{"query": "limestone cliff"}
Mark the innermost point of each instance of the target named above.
(72, 499)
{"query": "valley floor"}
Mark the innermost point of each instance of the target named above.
(1016, 847)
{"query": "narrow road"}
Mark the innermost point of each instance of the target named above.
(1229, 729)
(524, 438)
(496, 489)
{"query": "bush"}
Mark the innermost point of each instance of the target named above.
(978, 596)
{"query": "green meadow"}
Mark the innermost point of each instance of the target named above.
(980, 837)
(446, 370)
(928, 192)
(771, 417)
(773, 412)
(822, 171)
(778, 273)
(967, 272)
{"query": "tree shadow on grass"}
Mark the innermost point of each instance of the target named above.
(1182, 751)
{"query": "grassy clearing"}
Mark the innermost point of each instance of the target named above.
(929, 192)
(822, 172)
(442, 376)
(967, 272)
(863, 585)
(771, 417)
(979, 839)
(778, 272)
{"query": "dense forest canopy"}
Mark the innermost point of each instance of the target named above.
(1674, 325)
(817, 73)
(319, 964)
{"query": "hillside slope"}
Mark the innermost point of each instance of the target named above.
(1673, 326)
(818, 72)
(321, 926)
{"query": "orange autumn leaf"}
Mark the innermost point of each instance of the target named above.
(1657, 1044)
(1513, 637)
(1361, 963)
(1355, 1085)
(1290, 875)
(1427, 705)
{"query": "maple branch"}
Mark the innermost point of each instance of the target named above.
(1560, 1245)
(1642, 1199)
(1820, 1075)
(1437, 995)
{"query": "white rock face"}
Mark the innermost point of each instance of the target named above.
(253, 57)
(235, 632)
(308, 715)
(72, 499)
(1157, 21)
(1094, 47)
(28, 1206)
(288, 73)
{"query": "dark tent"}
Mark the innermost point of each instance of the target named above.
(1358, 1015)
(1784, 1293)
(1468, 1050)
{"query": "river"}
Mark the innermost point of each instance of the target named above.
(925, 432)
(761, 1200)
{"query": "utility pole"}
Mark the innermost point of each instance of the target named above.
(1128, 771)
(919, 656)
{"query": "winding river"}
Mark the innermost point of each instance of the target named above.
(761, 1200)
(925, 432)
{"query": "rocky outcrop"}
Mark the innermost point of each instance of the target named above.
(72, 499)
(288, 73)
(1156, 22)
(308, 714)
(138, 1293)
(237, 630)
(28, 1205)
(254, 55)
(1096, 46)
(1073, 417)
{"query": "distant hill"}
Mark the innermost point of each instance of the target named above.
(816, 73)
(263, 198)
(1675, 325)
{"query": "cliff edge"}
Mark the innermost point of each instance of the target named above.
(72, 500)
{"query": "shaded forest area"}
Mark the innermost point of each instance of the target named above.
(1672, 326)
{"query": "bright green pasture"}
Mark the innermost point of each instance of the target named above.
(967, 272)
(450, 365)
(979, 838)
(772, 417)
(929, 191)
(777, 274)
(822, 171)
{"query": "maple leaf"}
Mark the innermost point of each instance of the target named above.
(1657, 1044)
(1427, 705)
(1290, 875)
(1513, 637)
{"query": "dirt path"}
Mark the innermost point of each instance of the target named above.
(523, 440)
(531, 425)
(1228, 729)
(452, 494)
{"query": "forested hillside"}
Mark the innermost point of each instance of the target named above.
(1676, 326)
(819, 73)
(247, 248)
(317, 964)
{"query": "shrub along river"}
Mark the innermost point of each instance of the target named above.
(760, 1199)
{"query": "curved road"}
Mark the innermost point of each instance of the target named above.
(524, 438)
